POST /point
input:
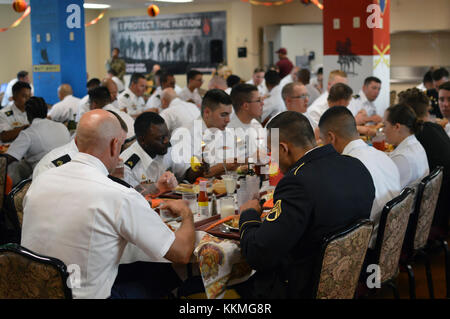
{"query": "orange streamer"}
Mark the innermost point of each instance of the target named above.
(100, 16)
(18, 21)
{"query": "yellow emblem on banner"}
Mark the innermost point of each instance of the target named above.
(275, 212)
(47, 68)
(382, 54)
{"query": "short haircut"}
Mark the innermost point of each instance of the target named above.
(135, 77)
(240, 94)
(445, 86)
(192, 74)
(304, 76)
(258, 70)
(123, 125)
(145, 121)
(36, 108)
(427, 78)
(164, 76)
(320, 70)
(213, 98)
(335, 73)
(403, 114)
(100, 95)
(233, 80)
(371, 79)
(19, 85)
(118, 50)
(340, 121)
(294, 128)
(111, 71)
(439, 74)
(22, 74)
(93, 83)
(272, 78)
(340, 91)
(416, 99)
(288, 90)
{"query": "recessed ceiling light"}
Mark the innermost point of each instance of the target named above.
(96, 6)
(173, 1)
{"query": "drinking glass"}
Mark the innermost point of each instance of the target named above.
(192, 201)
(226, 206)
(230, 183)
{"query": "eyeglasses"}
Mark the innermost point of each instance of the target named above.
(303, 96)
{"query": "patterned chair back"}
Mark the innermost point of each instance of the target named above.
(16, 201)
(3, 170)
(342, 257)
(27, 275)
(391, 233)
(427, 198)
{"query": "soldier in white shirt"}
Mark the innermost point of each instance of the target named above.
(167, 80)
(67, 108)
(190, 92)
(320, 105)
(149, 159)
(176, 112)
(22, 76)
(338, 127)
(100, 98)
(364, 102)
(131, 100)
(13, 118)
(208, 135)
(107, 218)
(273, 101)
(444, 103)
(83, 106)
(64, 154)
(400, 124)
(258, 81)
(34, 142)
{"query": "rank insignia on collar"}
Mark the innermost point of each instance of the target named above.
(61, 160)
(132, 161)
(127, 95)
(275, 212)
(9, 113)
(143, 177)
(356, 96)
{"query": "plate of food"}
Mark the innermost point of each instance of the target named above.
(233, 224)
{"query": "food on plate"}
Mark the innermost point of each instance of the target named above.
(220, 221)
(219, 187)
(234, 222)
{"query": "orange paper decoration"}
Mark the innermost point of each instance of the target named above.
(153, 10)
(19, 5)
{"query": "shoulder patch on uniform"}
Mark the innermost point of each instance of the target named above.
(127, 95)
(275, 212)
(296, 170)
(61, 160)
(132, 161)
(119, 181)
(9, 113)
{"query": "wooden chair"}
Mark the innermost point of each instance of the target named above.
(341, 260)
(419, 228)
(27, 275)
(391, 234)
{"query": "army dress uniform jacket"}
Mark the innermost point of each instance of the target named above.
(323, 192)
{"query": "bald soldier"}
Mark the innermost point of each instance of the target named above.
(94, 218)
(67, 108)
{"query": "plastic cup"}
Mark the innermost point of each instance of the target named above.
(226, 206)
(191, 199)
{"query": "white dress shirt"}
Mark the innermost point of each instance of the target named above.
(8, 92)
(83, 107)
(140, 167)
(155, 100)
(262, 88)
(313, 93)
(385, 175)
(255, 132)
(411, 161)
(187, 95)
(38, 139)
(273, 103)
(313, 124)
(319, 107)
(179, 114)
(11, 117)
(129, 121)
(128, 100)
(119, 83)
(92, 220)
(65, 110)
(56, 157)
(362, 103)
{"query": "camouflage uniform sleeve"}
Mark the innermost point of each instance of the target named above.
(265, 244)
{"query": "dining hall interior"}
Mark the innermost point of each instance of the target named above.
(212, 149)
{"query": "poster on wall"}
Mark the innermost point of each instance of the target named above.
(176, 42)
